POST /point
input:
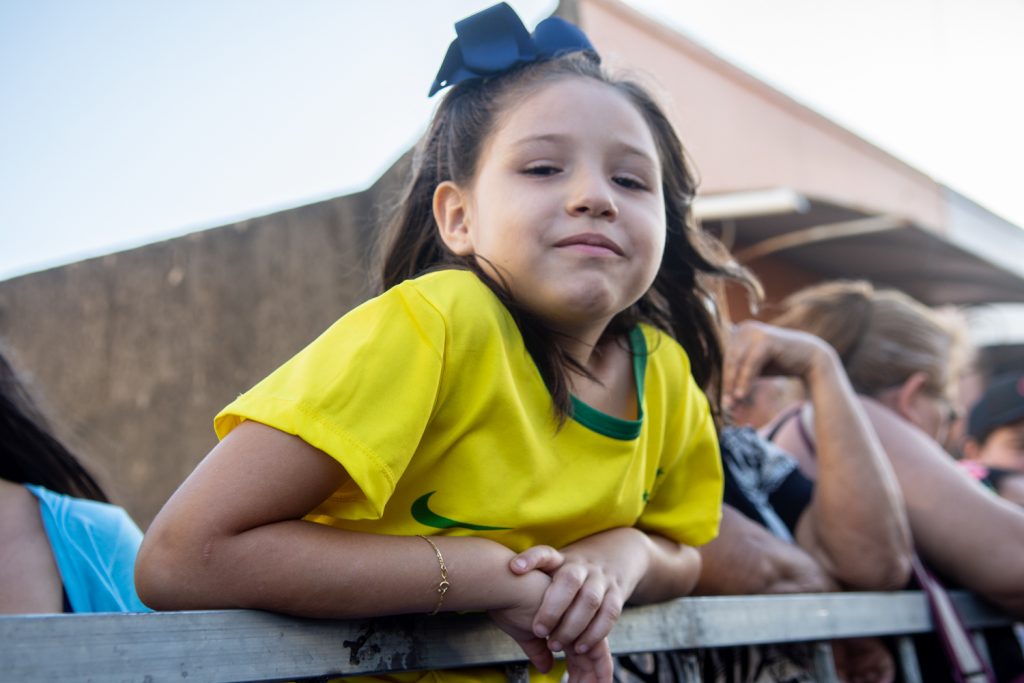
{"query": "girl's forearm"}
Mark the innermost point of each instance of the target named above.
(233, 536)
(307, 569)
(673, 571)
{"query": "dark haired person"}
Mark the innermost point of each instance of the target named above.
(994, 449)
(65, 547)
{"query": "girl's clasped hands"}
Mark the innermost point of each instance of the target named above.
(589, 583)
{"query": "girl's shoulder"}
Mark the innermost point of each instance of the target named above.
(457, 296)
(448, 287)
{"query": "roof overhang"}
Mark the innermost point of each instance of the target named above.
(839, 241)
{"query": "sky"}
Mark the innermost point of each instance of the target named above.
(124, 123)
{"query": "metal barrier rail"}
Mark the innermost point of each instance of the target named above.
(242, 645)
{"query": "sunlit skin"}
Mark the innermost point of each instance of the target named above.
(30, 582)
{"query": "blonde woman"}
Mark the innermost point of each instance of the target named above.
(904, 360)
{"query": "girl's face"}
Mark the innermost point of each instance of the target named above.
(566, 205)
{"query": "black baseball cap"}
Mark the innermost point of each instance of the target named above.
(1000, 405)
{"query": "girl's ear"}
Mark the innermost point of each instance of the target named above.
(452, 214)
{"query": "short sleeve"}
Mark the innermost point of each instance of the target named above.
(94, 545)
(686, 501)
(363, 393)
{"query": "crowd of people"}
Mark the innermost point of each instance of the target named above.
(542, 347)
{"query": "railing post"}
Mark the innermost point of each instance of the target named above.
(908, 660)
(981, 645)
(823, 665)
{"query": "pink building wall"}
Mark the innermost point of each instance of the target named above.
(744, 135)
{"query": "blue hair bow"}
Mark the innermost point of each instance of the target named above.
(494, 40)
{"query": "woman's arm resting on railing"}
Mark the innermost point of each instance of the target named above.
(747, 559)
(960, 528)
(855, 525)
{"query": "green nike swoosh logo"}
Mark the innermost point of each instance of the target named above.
(422, 513)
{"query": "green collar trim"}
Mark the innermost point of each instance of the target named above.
(609, 425)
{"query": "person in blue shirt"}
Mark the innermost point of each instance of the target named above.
(66, 548)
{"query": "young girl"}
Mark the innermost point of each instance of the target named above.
(512, 426)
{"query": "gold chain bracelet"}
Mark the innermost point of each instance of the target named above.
(442, 587)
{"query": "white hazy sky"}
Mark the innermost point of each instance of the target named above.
(123, 123)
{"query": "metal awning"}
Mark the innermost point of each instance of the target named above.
(840, 241)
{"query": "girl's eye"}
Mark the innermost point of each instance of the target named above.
(541, 170)
(630, 182)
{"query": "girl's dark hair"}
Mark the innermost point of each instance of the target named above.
(679, 302)
(29, 452)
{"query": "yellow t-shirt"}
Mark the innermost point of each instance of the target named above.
(428, 397)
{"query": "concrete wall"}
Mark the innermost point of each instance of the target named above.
(134, 353)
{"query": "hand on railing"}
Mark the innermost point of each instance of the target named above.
(583, 602)
(590, 583)
(518, 622)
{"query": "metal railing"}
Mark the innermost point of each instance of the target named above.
(241, 645)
